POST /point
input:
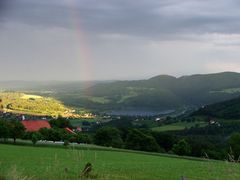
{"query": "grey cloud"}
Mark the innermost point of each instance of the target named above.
(149, 18)
(40, 38)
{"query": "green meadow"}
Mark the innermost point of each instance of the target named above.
(25, 162)
(179, 126)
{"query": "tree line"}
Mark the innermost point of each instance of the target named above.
(130, 138)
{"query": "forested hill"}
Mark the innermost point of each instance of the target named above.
(227, 110)
(163, 92)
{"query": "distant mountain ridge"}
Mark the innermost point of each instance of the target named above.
(161, 92)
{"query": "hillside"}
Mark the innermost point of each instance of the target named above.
(22, 103)
(160, 92)
(229, 109)
(58, 163)
(156, 94)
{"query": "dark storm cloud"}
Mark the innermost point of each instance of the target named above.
(148, 18)
(40, 38)
(3, 6)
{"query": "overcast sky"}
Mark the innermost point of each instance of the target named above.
(117, 39)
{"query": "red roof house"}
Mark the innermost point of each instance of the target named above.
(69, 130)
(35, 125)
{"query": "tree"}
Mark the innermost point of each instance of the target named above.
(35, 137)
(182, 148)
(165, 140)
(44, 133)
(60, 123)
(108, 136)
(82, 138)
(1, 105)
(16, 130)
(234, 142)
(137, 140)
(55, 135)
(4, 129)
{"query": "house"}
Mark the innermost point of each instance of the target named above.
(211, 122)
(35, 125)
(79, 129)
(69, 130)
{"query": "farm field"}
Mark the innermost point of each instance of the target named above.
(21, 162)
(179, 126)
(78, 122)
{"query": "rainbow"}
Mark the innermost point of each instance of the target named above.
(83, 57)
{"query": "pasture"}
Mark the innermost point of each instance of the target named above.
(179, 126)
(21, 162)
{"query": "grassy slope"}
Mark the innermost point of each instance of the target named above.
(49, 163)
(31, 104)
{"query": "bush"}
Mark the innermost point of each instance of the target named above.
(66, 143)
(234, 143)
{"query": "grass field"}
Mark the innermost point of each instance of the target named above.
(228, 91)
(21, 162)
(179, 126)
(78, 122)
(100, 100)
(17, 102)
